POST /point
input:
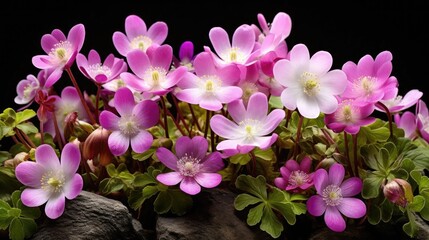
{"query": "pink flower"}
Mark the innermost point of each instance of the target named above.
(310, 86)
(131, 126)
(272, 38)
(210, 86)
(295, 176)
(350, 116)
(334, 197)
(422, 115)
(50, 181)
(27, 88)
(186, 56)
(61, 51)
(100, 72)
(137, 36)
(408, 122)
(152, 70)
(191, 165)
(370, 79)
(399, 103)
(250, 127)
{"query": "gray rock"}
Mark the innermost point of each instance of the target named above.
(212, 217)
(91, 216)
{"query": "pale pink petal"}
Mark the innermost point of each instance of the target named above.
(174, 77)
(55, 206)
(139, 62)
(118, 143)
(289, 97)
(334, 220)
(223, 127)
(124, 101)
(135, 26)
(257, 107)
(327, 103)
(320, 63)
(228, 94)
(265, 142)
(384, 71)
(70, 160)
(47, 158)
(336, 174)
(190, 95)
(299, 55)
(29, 173)
(109, 120)
(229, 144)
(189, 80)
(73, 187)
(229, 74)
(352, 207)
(121, 43)
(158, 32)
(381, 58)
(316, 206)
(308, 107)
(48, 42)
(321, 180)
(41, 61)
(237, 111)
(167, 158)
(220, 41)
(76, 36)
(281, 25)
(334, 82)
(351, 187)
(162, 57)
(212, 163)
(190, 186)
(170, 178)
(210, 103)
(53, 77)
(284, 72)
(272, 121)
(208, 180)
(244, 39)
(350, 69)
(142, 141)
(203, 64)
(365, 66)
(93, 57)
(146, 113)
(31, 197)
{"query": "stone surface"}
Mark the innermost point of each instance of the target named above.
(91, 216)
(212, 217)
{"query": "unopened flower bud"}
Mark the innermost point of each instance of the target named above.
(19, 158)
(75, 128)
(399, 192)
(96, 147)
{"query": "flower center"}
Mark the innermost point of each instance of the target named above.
(52, 181)
(311, 84)
(61, 52)
(251, 128)
(97, 69)
(298, 178)
(332, 195)
(141, 42)
(189, 166)
(154, 76)
(234, 55)
(366, 84)
(128, 126)
(210, 84)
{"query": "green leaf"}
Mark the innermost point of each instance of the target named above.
(267, 155)
(286, 210)
(4, 155)
(255, 214)
(241, 159)
(410, 228)
(136, 199)
(15, 212)
(275, 102)
(419, 156)
(417, 204)
(374, 214)
(25, 115)
(142, 180)
(386, 210)
(163, 202)
(255, 186)
(299, 208)
(29, 225)
(16, 196)
(29, 212)
(182, 202)
(243, 200)
(149, 191)
(111, 170)
(27, 128)
(16, 230)
(371, 186)
(4, 205)
(145, 155)
(270, 223)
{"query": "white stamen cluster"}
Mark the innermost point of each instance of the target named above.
(332, 195)
(128, 126)
(189, 166)
(310, 83)
(61, 52)
(141, 42)
(52, 181)
(298, 178)
(98, 68)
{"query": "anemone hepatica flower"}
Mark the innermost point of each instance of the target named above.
(137, 36)
(272, 36)
(350, 115)
(27, 88)
(210, 86)
(61, 51)
(132, 123)
(50, 181)
(100, 72)
(335, 197)
(408, 122)
(186, 56)
(422, 114)
(250, 128)
(191, 165)
(152, 70)
(370, 79)
(295, 176)
(399, 103)
(310, 86)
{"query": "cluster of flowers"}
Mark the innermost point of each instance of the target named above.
(209, 116)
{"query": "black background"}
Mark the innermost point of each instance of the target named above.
(347, 29)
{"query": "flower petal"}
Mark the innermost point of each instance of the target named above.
(169, 179)
(70, 160)
(320, 179)
(118, 143)
(351, 187)
(257, 106)
(190, 95)
(336, 174)
(352, 207)
(212, 162)
(47, 158)
(32, 197)
(244, 39)
(167, 158)
(135, 26)
(220, 41)
(316, 206)
(29, 173)
(237, 111)
(158, 32)
(208, 180)
(292, 165)
(73, 187)
(146, 113)
(109, 120)
(55, 206)
(334, 220)
(320, 63)
(124, 101)
(121, 43)
(196, 147)
(308, 107)
(224, 127)
(142, 141)
(228, 94)
(272, 121)
(190, 186)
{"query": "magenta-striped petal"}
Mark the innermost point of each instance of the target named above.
(220, 41)
(55, 206)
(29, 173)
(162, 57)
(146, 113)
(352, 207)
(212, 163)
(292, 165)
(142, 141)
(121, 43)
(109, 120)
(334, 220)
(169, 179)
(280, 183)
(158, 32)
(77, 36)
(208, 180)
(321, 180)
(118, 143)
(224, 127)
(351, 187)
(124, 101)
(73, 187)
(190, 186)
(316, 206)
(336, 174)
(70, 160)
(237, 111)
(138, 62)
(47, 158)
(31, 197)
(135, 26)
(167, 158)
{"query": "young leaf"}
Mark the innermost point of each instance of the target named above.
(270, 223)
(255, 215)
(16, 230)
(243, 200)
